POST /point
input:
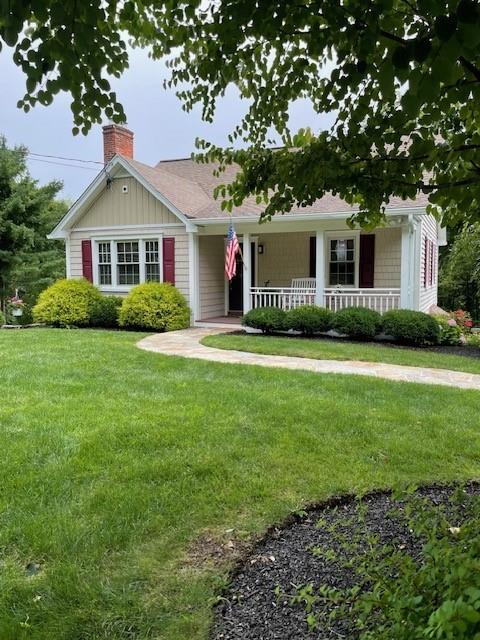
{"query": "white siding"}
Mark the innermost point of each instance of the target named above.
(211, 277)
(285, 256)
(388, 250)
(428, 294)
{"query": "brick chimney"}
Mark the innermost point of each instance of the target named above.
(117, 139)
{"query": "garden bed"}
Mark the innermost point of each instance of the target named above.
(258, 603)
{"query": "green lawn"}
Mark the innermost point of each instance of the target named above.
(325, 349)
(116, 461)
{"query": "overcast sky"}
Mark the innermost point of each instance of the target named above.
(162, 129)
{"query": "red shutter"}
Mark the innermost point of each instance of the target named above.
(169, 260)
(425, 262)
(87, 268)
(367, 261)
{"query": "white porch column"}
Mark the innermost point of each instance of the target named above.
(193, 275)
(247, 276)
(406, 267)
(320, 269)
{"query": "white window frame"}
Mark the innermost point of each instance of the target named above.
(141, 238)
(343, 235)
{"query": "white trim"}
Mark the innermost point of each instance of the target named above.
(141, 239)
(320, 268)
(121, 228)
(342, 235)
(247, 276)
(406, 266)
(193, 275)
(68, 257)
(302, 217)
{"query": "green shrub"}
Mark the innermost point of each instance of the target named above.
(154, 306)
(105, 312)
(66, 303)
(358, 322)
(411, 327)
(473, 340)
(450, 332)
(267, 319)
(2, 318)
(309, 319)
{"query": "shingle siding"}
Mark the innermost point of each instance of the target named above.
(428, 293)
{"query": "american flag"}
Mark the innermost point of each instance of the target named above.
(231, 251)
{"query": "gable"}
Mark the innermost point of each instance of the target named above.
(115, 206)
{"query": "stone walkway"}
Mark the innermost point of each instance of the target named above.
(187, 344)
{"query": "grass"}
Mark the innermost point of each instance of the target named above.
(116, 461)
(326, 349)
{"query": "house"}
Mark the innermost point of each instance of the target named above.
(136, 223)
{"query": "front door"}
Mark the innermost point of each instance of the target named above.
(235, 286)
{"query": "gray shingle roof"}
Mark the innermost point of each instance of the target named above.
(189, 186)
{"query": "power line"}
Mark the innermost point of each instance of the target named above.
(65, 164)
(44, 155)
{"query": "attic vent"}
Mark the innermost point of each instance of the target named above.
(125, 188)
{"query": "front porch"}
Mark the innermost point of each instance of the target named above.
(331, 267)
(287, 298)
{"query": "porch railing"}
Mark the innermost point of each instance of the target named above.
(283, 297)
(380, 300)
(286, 298)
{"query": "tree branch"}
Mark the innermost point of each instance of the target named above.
(470, 67)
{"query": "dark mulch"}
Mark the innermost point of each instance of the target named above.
(250, 610)
(460, 350)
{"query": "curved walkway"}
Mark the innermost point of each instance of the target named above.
(186, 343)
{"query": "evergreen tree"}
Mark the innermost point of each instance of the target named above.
(28, 261)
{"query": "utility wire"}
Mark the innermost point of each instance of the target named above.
(65, 164)
(43, 155)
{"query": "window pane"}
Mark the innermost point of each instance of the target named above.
(342, 262)
(152, 272)
(128, 273)
(127, 252)
(105, 274)
(104, 263)
(151, 251)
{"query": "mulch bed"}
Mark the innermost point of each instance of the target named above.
(250, 609)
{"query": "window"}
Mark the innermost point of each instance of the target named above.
(104, 263)
(128, 263)
(125, 263)
(152, 262)
(341, 262)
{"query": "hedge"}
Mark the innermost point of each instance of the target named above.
(309, 319)
(267, 319)
(358, 322)
(105, 312)
(411, 327)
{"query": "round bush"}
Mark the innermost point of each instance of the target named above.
(154, 306)
(411, 327)
(105, 312)
(450, 332)
(358, 322)
(66, 303)
(267, 319)
(309, 319)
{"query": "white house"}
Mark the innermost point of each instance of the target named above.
(136, 223)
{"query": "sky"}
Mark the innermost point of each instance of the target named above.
(162, 129)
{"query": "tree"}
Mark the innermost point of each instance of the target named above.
(459, 284)
(402, 76)
(28, 260)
